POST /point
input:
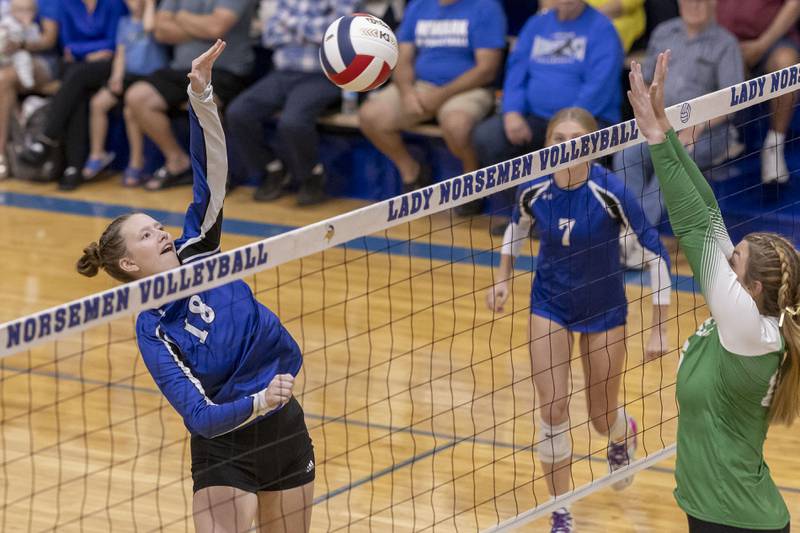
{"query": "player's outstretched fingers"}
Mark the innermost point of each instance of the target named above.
(200, 75)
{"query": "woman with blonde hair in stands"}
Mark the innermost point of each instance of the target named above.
(740, 372)
(579, 289)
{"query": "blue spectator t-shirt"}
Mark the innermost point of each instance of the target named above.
(143, 55)
(446, 36)
(47, 9)
(82, 32)
(557, 64)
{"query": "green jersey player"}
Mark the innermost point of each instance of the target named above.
(741, 370)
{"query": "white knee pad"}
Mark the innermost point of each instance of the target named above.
(555, 444)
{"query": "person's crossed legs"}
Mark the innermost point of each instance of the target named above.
(149, 103)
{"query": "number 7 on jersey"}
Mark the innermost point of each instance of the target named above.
(566, 224)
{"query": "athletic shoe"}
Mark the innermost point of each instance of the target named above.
(561, 522)
(70, 180)
(276, 181)
(620, 455)
(313, 190)
(773, 162)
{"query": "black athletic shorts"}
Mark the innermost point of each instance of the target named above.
(130, 79)
(699, 526)
(171, 85)
(274, 453)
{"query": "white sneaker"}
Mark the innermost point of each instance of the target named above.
(773, 162)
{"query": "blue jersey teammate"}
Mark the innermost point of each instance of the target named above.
(579, 288)
(223, 360)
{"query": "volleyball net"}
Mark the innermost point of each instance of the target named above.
(419, 399)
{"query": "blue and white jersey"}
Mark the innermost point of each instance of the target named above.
(211, 352)
(578, 272)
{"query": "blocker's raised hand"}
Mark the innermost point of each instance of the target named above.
(639, 96)
(200, 75)
(657, 89)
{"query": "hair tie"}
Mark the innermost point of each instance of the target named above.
(794, 311)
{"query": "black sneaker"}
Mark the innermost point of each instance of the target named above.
(274, 184)
(268, 190)
(424, 178)
(36, 152)
(70, 179)
(313, 190)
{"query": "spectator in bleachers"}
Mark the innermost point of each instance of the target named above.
(769, 40)
(450, 51)
(705, 58)
(87, 33)
(136, 56)
(45, 68)
(567, 56)
(190, 26)
(297, 88)
(19, 25)
(627, 15)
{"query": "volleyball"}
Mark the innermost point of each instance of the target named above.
(358, 52)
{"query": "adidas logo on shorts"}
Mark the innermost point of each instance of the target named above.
(310, 466)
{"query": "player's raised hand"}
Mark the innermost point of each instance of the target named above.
(497, 295)
(200, 75)
(657, 89)
(639, 96)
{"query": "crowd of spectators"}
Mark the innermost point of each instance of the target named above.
(490, 80)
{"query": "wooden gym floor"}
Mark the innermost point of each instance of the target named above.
(419, 401)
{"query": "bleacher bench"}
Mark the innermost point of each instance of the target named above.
(350, 122)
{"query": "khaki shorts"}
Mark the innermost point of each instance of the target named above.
(476, 103)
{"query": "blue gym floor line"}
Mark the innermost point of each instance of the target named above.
(262, 230)
(451, 440)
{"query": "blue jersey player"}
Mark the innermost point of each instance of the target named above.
(579, 288)
(223, 360)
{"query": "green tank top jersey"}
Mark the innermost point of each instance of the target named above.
(723, 400)
(728, 368)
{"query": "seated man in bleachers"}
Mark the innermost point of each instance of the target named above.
(769, 39)
(450, 51)
(189, 25)
(298, 90)
(705, 58)
(566, 56)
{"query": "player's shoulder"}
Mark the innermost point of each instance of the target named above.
(147, 322)
(600, 176)
(607, 187)
(531, 191)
